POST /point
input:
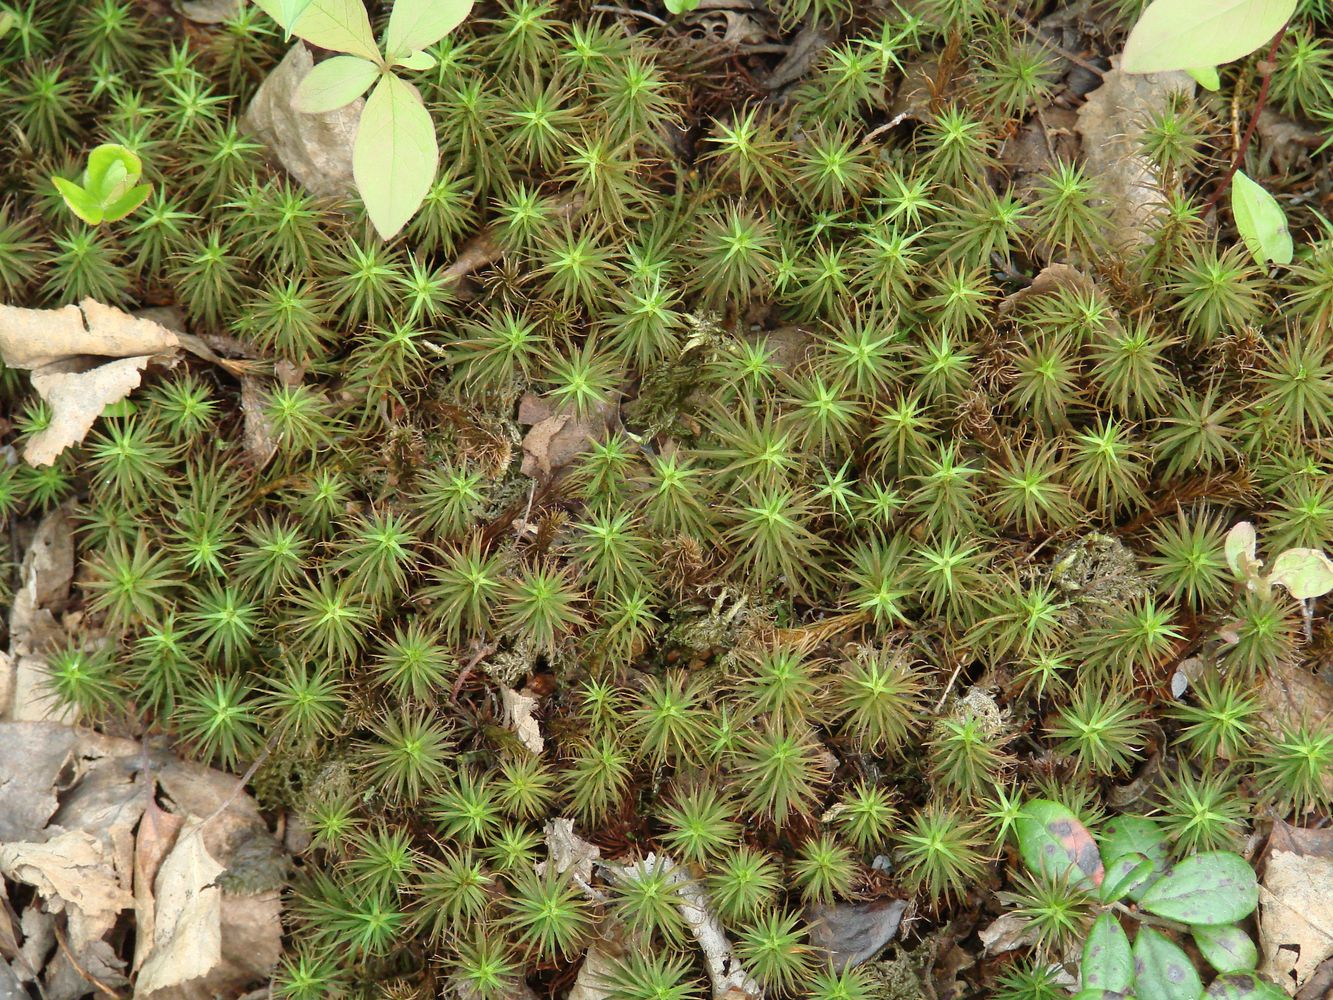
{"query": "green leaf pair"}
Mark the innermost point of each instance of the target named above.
(395, 154)
(1197, 35)
(109, 189)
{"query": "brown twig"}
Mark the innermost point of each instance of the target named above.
(1267, 66)
(84, 973)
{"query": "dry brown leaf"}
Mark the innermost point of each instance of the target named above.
(597, 966)
(187, 928)
(556, 438)
(33, 756)
(73, 875)
(1049, 280)
(853, 933)
(1111, 122)
(519, 707)
(568, 851)
(107, 801)
(1295, 917)
(44, 583)
(157, 834)
(67, 351)
(261, 441)
(1007, 932)
(1290, 694)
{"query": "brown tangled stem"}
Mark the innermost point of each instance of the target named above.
(1266, 80)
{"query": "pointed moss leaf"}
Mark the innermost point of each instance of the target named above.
(418, 61)
(1162, 970)
(1226, 947)
(126, 203)
(414, 24)
(1182, 34)
(1260, 221)
(1107, 963)
(1125, 875)
(1054, 843)
(1241, 545)
(1206, 77)
(340, 25)
(1306, 573)
(395, 156)
(1243, 986)
(1125, 835)
(80, 202)
(334, 83)
(1215, 887)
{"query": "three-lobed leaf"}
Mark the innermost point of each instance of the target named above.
(395, 155)
(1226, 947)
(334, 83)
(1306, 573)
(415, 24)
(1162, 969)
(1215, 887)
(1260, 221)
(1187, 34)
(1107, 962)
(1054, 843)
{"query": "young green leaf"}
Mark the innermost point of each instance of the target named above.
(1206, 77)
(395, 155)
(340, 25)
(1107, 963)
(1054, 843)
(1260, 221)
(681, 6)
(1163, 970)
(414, 24)
(418, 62)
(1136, 836)
(79, 201)
(1184, 34)
(1125, 875)
(285, 12)
(1305, 573)
(1241, 546)
(1243, 986)
(1226, 947)
(334, 83)
(1215, 887)
(7, 22)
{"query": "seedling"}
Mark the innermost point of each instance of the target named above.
(395, 154)
(109, 189)
(1128, 878)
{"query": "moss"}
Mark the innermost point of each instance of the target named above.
(1096, 574)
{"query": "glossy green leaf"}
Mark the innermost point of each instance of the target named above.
(1306, 573)
(1126, 835)
(1054, 843)
(1126, 875)
(126, 203)
(79, 201)
(395, 155)
(1107, 963)
(1260, 221)
(1216, 887)
(418, 61)
(1226, 947)
(112, 170)
(414, 24)
(340, 25)
(1206, 77)
(1183, 34)
(681, 6)
(1162, 970)
(1243, 986)
(334, 83)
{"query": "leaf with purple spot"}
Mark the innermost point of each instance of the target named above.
(1215, 887)
(1243, 986)
(1107, 963)
(1054, 843)
(1162, 970)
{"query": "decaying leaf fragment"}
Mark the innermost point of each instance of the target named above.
(187, 927)
(82, 358)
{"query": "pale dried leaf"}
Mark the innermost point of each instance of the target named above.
(107, 802)
(568, 851)
(1007, 932)
(1111, 122)
(32, 757)
(519, 707)
(1295, 917)
(73, 874)
(77, 398)
(556, 438)
(187, 930)
(157, 834)
(35, 338)
(1050, 279)
(853, 933)
(591, 983)
(261, 441)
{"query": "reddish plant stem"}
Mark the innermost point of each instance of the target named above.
(1265, 82)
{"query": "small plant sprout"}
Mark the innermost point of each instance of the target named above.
(396, 154)
(1306, 574)
(109, 189)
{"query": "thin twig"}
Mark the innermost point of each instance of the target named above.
(1076, 60)
(84, 973)
(1268, 65)
(606, 8)
(269, 747)
(949, 687)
